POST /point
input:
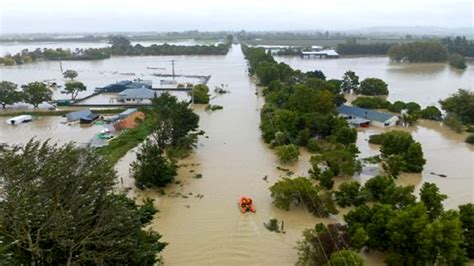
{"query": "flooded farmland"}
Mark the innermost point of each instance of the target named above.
(199, 216)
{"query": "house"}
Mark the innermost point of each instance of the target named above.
(319, 51)
(357, 116)
(136, 96)
(124, 85)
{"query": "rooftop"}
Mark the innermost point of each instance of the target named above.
(139, 93)
(364, 113)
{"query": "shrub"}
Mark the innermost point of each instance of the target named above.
(431, 113)
(287, 153)
(372, 86)
(371, 102)
(151, 168)
(457, 61)
(470, 139)
(201, 94)
(301, 190)
(351, 193)
(376, 139)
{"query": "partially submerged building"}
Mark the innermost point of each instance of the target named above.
(361, 117)
(136, 96)
(124, 85)
(319, 51)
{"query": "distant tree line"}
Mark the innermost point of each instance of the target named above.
(119, 46)
(415, 52)
(459, 45)
(351, 47)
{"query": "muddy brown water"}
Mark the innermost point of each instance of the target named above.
(206, 227)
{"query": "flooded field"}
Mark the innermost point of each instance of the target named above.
(425, 83)
(199, 216)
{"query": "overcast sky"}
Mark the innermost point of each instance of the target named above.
(26, 16)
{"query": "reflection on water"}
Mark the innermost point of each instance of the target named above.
(424, 83)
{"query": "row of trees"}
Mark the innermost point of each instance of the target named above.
(427, 51)
(36, 93)
(351, 47)
(459, 108)
(119, 46)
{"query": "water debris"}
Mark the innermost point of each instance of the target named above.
(199, 196)
(265, 178)
(273, 226)
(187, 206)
(220, 90)
(197, 176)
(282, 169)
(289, 173)
(440, 175)
(214, 107)
(191, 171)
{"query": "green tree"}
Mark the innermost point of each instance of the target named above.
(345, 258)
(466, 215)
(152, 168)
(341, 162)
(36, 93)
(298, 191)
(70, 74)
(201, 94)
(393, 165)
(174, 121)
(470, 139)
(73, 88)
(461, 105)
(457, 61)
(350, 81)
(431, 113)
(373, 86)
(287, 153)
(345, 135)
(351, 193)
(414, 159)
(320, 242)
(9, 93)
(63, 211)
(433, 199)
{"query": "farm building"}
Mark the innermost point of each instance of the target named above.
(361, 117)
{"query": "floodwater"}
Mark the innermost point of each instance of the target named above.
(199, 216)
(424, 83)
(47, 127)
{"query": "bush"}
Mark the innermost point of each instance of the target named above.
(287, 153)
(372, 86)
(397, 107)
(376, 139)
(351, 193)
(346, 258)
(151, 168)
(201, 94)
(301, 190)
(371, 103)
(470, 139)
(453, 123)
(457, 61)
(431, 113)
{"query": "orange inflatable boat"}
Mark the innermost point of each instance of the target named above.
(246, 204)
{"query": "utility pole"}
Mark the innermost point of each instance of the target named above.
(172, 67)
(61, 66)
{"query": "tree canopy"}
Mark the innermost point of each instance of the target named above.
(9, 93)
(36, 93)
(62, 211)
(73, 88)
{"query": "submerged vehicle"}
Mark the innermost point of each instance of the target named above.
(19, 119)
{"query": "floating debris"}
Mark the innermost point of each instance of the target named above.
(440, 175)
(265, 178)
(282, 169)
(197, 176)
(214, 107)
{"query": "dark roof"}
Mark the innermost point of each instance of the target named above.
(364, 113)
(140, 93)
(73, 116)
